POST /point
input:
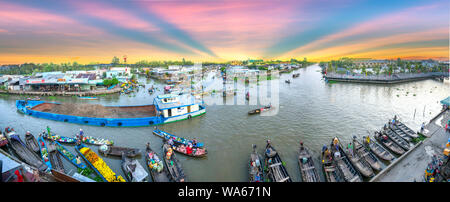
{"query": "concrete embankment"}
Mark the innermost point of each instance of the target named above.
(63, 93)
(396, 78)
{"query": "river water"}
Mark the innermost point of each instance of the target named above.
(309, 110)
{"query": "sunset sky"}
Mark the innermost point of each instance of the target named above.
(221, 30)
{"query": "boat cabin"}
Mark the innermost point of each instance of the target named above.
(170, 105)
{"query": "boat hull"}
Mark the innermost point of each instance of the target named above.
(27, 108)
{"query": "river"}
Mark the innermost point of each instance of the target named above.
(309, 110)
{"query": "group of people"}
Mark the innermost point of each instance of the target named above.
(189, 149)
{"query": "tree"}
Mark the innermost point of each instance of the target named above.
(115, 60)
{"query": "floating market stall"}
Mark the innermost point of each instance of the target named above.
(98, 165)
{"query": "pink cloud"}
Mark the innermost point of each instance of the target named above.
(114, 15)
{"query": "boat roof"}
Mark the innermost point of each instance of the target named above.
(183, 100)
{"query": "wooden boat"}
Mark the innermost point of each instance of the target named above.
(330, 170)
(295, 75)
(69, 156)
(256, 171)
(62, 177)
(276, 171)
(259, 110)
(400, 133)
(173, 165)
(88, 98)
(100, 167)
(307, 167)
(175, 138)
(58, 138)
(359, 163)
(287, 81)
(55, 158)
(96, 141)
(44, 153)
(117, 151)
(133, 170)
(31, 143)
(388, 143)
(365, 154)
(153, 161)
(397, 139)
(406, 129)
(24, 153)
(378, 150)
(347, 169)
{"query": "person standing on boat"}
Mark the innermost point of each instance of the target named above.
(368, 140)
(350, 148)
(301, 146)
(194, 142)
(422, 127)
(80, 136)
(78, 159)
(48, 130)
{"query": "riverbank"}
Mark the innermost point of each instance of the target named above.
(383, 79)
(64, 93)
(411, 166)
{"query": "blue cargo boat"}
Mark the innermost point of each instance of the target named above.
(165, 109)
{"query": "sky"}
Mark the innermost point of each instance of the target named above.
(221, 30)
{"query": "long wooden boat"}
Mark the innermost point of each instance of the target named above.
(97, 164)
(24, 153)
(276, 170)
(31, 143)
(117, 151)
(406, 129)
(62, 177)
(69, 156)
(96, 141)
(156, 166)
(160, 112)
(378, 150)
(133, 170)
(44, 153)
(365, 154)
(397, 139)
(400, 133)
(58, 138)
(88, 98)
(360, 164)
(175, 138)
(307, 167)
(388, 143)
(259, 110)
(295, 75)
(256, 171)
(330, 170)
(173, 165)
(54, 155)
(344, 164)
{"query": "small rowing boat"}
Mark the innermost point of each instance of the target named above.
(58, 138)
(69, 156)
(256, 171)
(359, 163)
(275, 166)
(330, 170)
(388, 143)
(347, 169)
(295, 75)
(88, 98)
(44, 153)
(175, 138)
(96, 141)
(156, 166)
(378, 150)
(31, 142)
(397, 139)
(54, 156)
(366, 155)
(400, 133)
(24, 153)
(259, 110)
(133, 170)
(117, 151)
(307, 167)
(173, 165)
(406, 129)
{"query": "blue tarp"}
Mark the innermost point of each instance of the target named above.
(446, 101)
